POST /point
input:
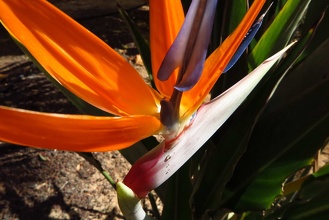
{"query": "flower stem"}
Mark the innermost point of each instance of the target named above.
(94, 162)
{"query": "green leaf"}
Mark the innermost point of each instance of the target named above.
(141, 43)
(298, 52)
(312, 201)
(323, 171)
(274, 151)
(279, 32)
(222, 158)
(228, 15)
(280, 163)
(238, 8)
(308, 74)
(316, 9)
(176, 204)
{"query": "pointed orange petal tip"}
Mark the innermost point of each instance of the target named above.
(74, 132)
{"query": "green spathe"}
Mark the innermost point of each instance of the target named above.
(129, 203)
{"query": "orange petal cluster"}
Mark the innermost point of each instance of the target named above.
(92, 70)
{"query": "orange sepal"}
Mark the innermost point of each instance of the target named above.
(217, 61)
(166, 19)
(76, 58)
(74, 132)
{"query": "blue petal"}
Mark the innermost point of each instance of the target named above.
(246, 41)
(198, 53)
(190, 47)
(175, 55)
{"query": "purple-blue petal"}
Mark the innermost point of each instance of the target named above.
(175, 55)
(244, 44)
(199, 52)
(246, 41)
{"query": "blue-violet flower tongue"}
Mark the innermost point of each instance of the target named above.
(246, 41)
(188, 52)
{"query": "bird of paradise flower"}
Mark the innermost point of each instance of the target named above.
(92, 70)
